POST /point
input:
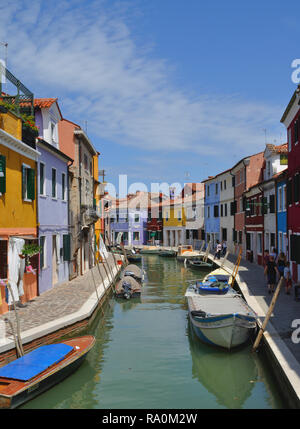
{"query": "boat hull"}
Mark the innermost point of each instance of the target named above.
(227, 331)
(22, 392)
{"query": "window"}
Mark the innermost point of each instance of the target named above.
(85, 161)
(296, 187)
(53, 183)
(225, 209)
(125, 236)
(224, 184)
(221, 185)
(207, 187)
(216, 211)
(240, 237)
(272, 239)
(296, 131)
(284, 197)
(167, 216)
(28, 183)
(280, 199)
(42, 179)
(221, 210)
(233, 181)
(2, 174)
(136, 218)
(208, 211)
(53, 133)
(224, 234)
(259, 243)
(43, 252)
(67, 247)
(63, 186)
(3, 259)
(179, 215)
(248, 241)
(216, 188)
(136, 236)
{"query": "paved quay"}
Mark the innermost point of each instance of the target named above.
(62, 305)
(279, 330)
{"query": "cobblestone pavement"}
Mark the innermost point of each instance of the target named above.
(286, 308)
(60, 300)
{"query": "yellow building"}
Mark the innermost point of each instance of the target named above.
(174, 221)
(18, 211)
(98, 229)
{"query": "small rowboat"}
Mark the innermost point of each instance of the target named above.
(127, 288)
(26, 377)
(200, 264)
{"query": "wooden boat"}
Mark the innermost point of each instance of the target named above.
(212, 285)
(127, 288)
(167, 253)
(28, 376)
(202, 265)
(150, 249)
(131, 257)
(224, 321)
(133, 271)
(187, 252)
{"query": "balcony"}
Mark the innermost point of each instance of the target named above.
(29, 135)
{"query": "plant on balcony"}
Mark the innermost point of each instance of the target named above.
(28, 123)
(28, 251)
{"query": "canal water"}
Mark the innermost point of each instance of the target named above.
(147, 357)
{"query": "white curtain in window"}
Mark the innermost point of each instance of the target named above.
(57, 238)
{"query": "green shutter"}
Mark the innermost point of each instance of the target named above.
(31, 184)
(2, 174)
(67, 247)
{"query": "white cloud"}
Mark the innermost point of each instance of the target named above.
(85, 54)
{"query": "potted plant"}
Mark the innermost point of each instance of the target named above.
(28, 251)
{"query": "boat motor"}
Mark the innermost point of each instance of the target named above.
(127, 290)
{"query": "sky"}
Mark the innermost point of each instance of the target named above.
(168, 91)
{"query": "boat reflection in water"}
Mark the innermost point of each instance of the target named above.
(230, 377)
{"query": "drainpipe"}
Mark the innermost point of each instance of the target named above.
(69, 213)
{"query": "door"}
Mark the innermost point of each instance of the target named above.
(54, 260)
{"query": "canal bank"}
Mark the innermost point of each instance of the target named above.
(283, 353)
(63, 310)
(146, 357)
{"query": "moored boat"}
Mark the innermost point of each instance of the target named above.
(26, 377)
(187, 252)
(224, 321)
(150, 249)
(133, 271)
(167, 253)
(127, 288)
(202, 265)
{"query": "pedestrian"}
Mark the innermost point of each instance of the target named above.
(281, 263)
(274, 253)
(266, 257)
(218, 249)
(287, 277)
(224, 248)
(271, 270)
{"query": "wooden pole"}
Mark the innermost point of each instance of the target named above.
(268, 315)
(19, 341)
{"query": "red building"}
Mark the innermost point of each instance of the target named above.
(254, 224)
(291, 120)
(246, 173)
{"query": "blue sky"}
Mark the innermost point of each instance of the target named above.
(171, 90)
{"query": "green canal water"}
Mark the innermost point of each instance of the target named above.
(147, 357)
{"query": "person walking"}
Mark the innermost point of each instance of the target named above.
(271, 271)
(281, 263)
(224, 248)
(287, 278)
(266, 257)
(218, 249)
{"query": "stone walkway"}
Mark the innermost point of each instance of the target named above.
(61, 300)
(286, 308)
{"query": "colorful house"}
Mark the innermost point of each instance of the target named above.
(193, 202)
(174, 222)
(18, 220)
(291, 120)
(254, 224)
(212, 211)
(53, 197)
(282, 241)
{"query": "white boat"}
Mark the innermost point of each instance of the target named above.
(186, 252)
(225, 321)
(214, 284)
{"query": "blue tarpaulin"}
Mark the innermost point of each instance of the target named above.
(33, 363)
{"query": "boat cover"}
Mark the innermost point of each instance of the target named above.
(35, 362)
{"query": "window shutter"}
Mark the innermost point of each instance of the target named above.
(265, 205)
(24, 182)
(272, 203)
(67, 247)
(216, 211)
(296, 188)
(244, 204)
(31, 184)
(2, 174)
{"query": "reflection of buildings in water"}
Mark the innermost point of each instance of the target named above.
(129, 304)
(229, 376)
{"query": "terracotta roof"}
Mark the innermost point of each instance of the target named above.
(281, 148)
(44, 102)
